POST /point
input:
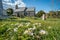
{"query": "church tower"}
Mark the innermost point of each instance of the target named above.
(16, 6)
(1, 8)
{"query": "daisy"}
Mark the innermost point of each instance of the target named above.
(42, 32)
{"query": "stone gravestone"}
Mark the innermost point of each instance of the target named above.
(43, 17)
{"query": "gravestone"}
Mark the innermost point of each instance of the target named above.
(43, 17)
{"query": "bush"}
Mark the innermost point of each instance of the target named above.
(3, 29)
(9, 11)
(40, 13)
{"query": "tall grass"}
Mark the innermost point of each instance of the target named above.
(37, 29)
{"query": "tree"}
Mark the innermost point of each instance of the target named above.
(52, 13)
(40, 13)
(58, 13)
(9, 11)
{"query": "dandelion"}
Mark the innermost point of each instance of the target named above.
(42, 32)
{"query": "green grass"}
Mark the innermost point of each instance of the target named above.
(50, 25)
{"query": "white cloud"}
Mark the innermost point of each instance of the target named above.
(10, 4)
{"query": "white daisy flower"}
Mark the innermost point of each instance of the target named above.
(15, 29)
(27, 24)
(31, 34)
(29, 28)
(42, 32)
(26, 32)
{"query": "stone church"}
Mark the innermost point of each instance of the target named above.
(24, 11)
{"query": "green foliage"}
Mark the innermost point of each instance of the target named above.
(14, 30)
(9, 11)
(54, 14)
(40, 13)
(3, 29)
(58, 12)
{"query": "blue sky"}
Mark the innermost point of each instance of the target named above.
(45, 5)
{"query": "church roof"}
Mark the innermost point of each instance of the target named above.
(20, 9)
(30, 9)
(24, 9)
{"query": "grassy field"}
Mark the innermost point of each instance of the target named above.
(30, 29)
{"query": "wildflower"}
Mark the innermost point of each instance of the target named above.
(42, 32)
(15, 29)
(34, 28)
(29, 28)
(20, 25)
(31, 34)
(37, 24)
(28, 32)
(49, 27)
(27, 24)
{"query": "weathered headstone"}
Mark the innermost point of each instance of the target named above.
(43, 17)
